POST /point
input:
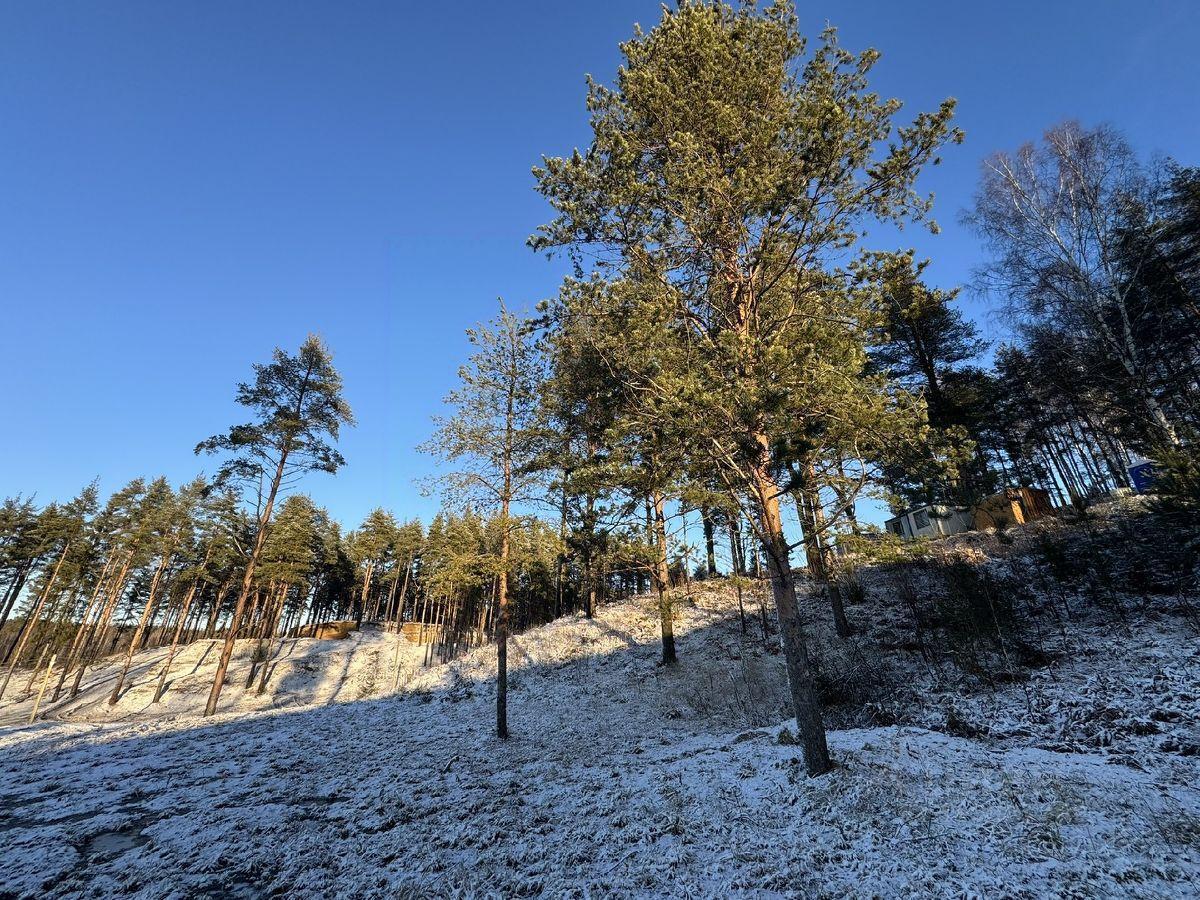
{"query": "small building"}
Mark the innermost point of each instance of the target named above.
(931, 521)
(1012, 506)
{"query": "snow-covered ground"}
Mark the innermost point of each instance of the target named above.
(301, 672)
(621, 779)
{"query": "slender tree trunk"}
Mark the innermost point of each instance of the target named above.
(247, 582)
(37, 666)
(14, 591)
(146, 614)
(588, 588)
(111, 609)
(403, 595)
(30, 623)
(94, 642)
(710, 545)
(251, 628)
(264, 605)
(424, 616)
(736, 564)
(812, 524)
(589, 551)
(560, 568)
(174, 642)
(183, 614)
(485, 609)
(41, 693)
(662, 579)
(274, 623)
(807, 707)
(210, 627)
(77, 643)
(502, 621)
(366, 588)
(375, 604)
(389, 614)
(502, 610)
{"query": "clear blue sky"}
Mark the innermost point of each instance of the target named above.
(185, 185)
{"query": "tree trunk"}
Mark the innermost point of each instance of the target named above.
(662, 578)
(502, 622)
(247, 582)
(137, 635)
(807, 708)
(183, 614)
(14, 591)
(403, 596)
(94, 642)
(366, 588)
(30, 623)
(735, 562)
(589, 590)
(77, 643)
(210, 627)
(502, 610)
(389, 614)
(275, 615)
(710, 546)
(812, 522)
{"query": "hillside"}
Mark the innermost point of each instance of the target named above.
(302, 672)
(623, 776)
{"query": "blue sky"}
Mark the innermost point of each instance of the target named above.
(184, 186)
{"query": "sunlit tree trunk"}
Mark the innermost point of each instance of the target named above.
(805, 703)
(81, 632)
(183, 616)
(31, 621)
(247, 583)
(147, 612)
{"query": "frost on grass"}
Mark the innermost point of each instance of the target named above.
(623, 778)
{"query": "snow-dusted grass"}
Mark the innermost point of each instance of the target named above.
(622, 779)
(301, 672)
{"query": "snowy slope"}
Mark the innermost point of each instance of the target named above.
(302, 671)
(622, 779)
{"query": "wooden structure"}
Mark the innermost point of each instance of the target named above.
(1012, 506)
(418, 633)
(327, 631)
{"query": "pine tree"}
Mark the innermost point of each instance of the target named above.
(20, 550)
(604, 352)
(407, 543)
(298, 406)
(370, 547)
(725, 171)
(60, 529)
(924, 337)
(492, 440)
(923, 343)
(288, 563)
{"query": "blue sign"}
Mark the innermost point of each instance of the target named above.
(1142, 476)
